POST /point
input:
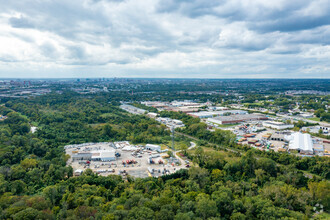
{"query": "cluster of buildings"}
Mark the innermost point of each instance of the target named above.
(317, 129)
(23, 92)
(186, 106)
(106, 151)
(170, 122)
(90, 90)
(121, 157)
(257, 130)
(295, 142)
(93, 152)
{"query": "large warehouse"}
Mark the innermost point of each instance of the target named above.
(301, 142)
(276, 125)
(233, 119)
(102, 155)
(211, 114)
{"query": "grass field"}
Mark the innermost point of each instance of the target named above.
(314, 119)
(228, 125)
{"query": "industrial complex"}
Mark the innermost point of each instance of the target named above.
(122, 158)
(255, 129)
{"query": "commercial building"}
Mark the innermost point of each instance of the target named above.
(301, 142)
(233, 119)
(276, 125)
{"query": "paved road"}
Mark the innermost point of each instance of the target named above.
(192, 145)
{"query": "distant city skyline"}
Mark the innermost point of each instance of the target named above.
(165, 39)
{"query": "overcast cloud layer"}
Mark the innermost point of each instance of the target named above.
(165, 38)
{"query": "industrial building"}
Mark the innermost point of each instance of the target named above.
(170, 122)
(182, 109)
(277, 137)
(152, 115)
(276, 125)
(153, 147)
(325, 129)
(104, 155)
(212, 114)
(132, 109)
(306, 115)
(217, 108)
(233, 119)
(319, 150)
(301, 142)
(177, 122)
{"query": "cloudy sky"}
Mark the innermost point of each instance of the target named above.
(165, 38)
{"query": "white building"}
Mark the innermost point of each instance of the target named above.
(108, 155)
(153, 147)
(78, 172)
(301, 142)
(217, 108)
(276, 125)
(306, 115)
(177, 122)
(212, 114)
(152, 115)
(99, 155)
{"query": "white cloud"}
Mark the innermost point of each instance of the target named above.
(198, 38)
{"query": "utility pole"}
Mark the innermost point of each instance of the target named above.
(172, 130)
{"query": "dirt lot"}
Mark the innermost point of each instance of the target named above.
(139, 169)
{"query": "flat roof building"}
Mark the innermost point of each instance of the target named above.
(152, 115)
(277, 137)
(153, 147)
(82, 156)
(233, 119)
(276, 125)
(301, 142)
(212, 114)
(104, 155)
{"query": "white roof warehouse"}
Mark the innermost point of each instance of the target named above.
(301, 142)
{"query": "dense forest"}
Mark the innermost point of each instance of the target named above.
(228, 182)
